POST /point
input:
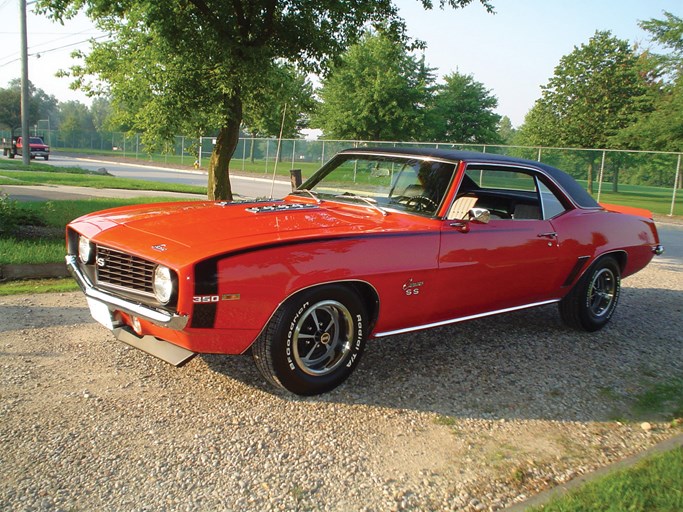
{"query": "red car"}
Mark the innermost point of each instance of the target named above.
(37, 148)
(376, 243)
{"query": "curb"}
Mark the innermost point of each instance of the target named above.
(41, 271)
(545, 496)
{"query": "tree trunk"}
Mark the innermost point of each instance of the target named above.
(219, 165)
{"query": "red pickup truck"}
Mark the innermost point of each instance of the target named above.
(38, 148)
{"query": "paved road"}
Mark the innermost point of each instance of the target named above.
(671, 236)
(241, 185)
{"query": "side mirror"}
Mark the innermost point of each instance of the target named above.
(480, 215)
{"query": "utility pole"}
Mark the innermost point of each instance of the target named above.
(25, 145)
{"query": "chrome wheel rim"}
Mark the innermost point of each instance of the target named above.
(602, 292)
(322, 338)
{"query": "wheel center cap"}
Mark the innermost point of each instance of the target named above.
(325, 338)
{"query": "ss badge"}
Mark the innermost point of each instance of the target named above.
(411, 287)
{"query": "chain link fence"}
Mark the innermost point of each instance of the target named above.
(633, 178)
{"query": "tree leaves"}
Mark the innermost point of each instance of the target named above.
(596, 91)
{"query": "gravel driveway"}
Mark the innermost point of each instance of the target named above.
(476, 416)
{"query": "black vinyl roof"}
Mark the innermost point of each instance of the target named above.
(569, 184)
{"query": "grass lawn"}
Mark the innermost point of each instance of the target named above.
(50, 248)
(38, 286)
(652, 485)
(15, 251)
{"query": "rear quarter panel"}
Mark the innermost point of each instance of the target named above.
(595, 233)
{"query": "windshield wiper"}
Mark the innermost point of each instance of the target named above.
(367, 200)
(308, 192)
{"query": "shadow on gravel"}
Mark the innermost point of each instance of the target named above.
(524, 365)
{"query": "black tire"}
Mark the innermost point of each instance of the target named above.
(314, 341)
(593, 300)
(47, 158)
(11, 154)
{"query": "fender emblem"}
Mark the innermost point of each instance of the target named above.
(411, 287)
(160, 247)
(208, 299)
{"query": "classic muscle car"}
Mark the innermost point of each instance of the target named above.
(376, 243)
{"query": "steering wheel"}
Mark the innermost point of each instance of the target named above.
(421, 203)
(418, 203)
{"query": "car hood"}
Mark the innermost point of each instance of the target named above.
(180, 233)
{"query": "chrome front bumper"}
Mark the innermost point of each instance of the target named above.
(155, 316)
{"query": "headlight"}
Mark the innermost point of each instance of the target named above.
(163, 284)
(86, 250)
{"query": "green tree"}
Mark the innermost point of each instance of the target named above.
(100, 110)
(668, 33)
(41, 105)
(288, 93)
(378, 91)
(506, 132)
(596, 91)
(462, 111)
(74, 118)
(661, 129)
(74, 115)
(266, 102)
(186, 66)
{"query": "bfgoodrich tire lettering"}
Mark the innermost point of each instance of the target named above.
(314, 341)
(593, 300)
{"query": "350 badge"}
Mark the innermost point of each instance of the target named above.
(208, 299)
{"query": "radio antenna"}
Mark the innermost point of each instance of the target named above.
(277, 153)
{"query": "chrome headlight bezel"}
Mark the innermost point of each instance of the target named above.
(164, 284)
(86, 250)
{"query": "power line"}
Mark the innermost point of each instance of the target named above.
(49, 42)
(39, 53)
(70, 44)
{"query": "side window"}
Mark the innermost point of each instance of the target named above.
(420, 186)
(552, 206)
(508, 193)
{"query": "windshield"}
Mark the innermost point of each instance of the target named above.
(415, 185)
(35, 140)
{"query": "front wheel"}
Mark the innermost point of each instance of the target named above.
(314, 341)
(593, 300)
(46, 158)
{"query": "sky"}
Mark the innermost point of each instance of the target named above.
(512, 52)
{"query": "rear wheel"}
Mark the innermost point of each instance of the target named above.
(47, 158)
(593, 300)
(314, 341)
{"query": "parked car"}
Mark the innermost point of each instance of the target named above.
(376, 243)
(14, 147)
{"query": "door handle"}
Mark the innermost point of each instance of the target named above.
(550, 234)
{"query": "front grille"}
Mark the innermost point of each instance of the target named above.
(123, 271)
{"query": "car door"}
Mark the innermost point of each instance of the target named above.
(510, 261)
